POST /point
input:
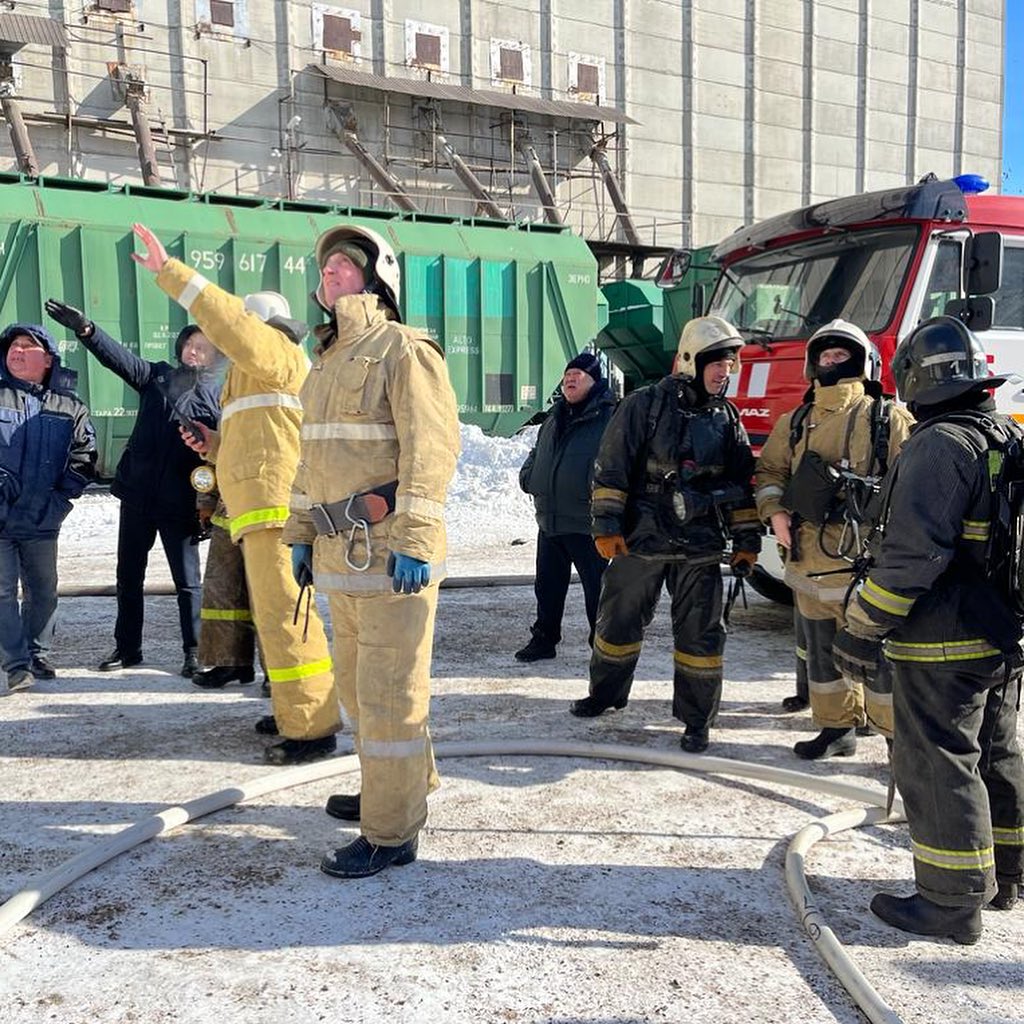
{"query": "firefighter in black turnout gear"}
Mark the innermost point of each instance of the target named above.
(942, 596)
(672, 484)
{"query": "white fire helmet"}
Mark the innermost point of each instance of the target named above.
(842, 334)
(267, 305)
(384, 265)
(703, 335)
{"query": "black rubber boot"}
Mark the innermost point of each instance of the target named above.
(795, 703)
(590, 708)
(919, 916)
(345, 806)
(536, 650)
(267, 725)
(828, 743)
(220, 675)
(300, 751)
(694, 741)
(1006, 897)
(118, 659)
(361, 858)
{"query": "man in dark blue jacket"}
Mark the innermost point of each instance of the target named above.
(47, 454)
(558, 473)
(153, 477)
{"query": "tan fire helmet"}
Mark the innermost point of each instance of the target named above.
(385, 266)
(267, 305)
(842, 334)
(706, 334)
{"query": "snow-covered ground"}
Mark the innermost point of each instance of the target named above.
(547, 890)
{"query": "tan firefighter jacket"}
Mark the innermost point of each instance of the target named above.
(258, 444)
(379, 407)
(827, 431)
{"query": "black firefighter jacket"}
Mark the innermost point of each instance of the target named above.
(153, 474)
(559, 470)
(928, 590)
(673, 475)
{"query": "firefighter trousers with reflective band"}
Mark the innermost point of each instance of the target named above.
(957, 764)
(226, 637)
(382, 649)
(836, 701)
(299, 670)
(630, 591)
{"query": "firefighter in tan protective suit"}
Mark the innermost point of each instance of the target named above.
(380, 440)
(256, 451)
(844, 426)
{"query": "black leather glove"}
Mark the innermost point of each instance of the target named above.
(856, 656)
(73, 319)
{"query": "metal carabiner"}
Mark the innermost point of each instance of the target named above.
(353, 537)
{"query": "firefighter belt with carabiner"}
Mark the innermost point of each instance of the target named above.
(354, 515)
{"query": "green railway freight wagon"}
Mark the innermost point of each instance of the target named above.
(644, 318)
(510, 303)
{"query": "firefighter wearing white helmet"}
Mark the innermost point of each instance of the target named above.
(380, 440)
(671, 492)
(256, 451)
(844, 426)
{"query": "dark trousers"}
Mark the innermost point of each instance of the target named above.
(958, 766)
(227, 637)
(27, 631)
(136, 534)
(556, 556)
(629, 596)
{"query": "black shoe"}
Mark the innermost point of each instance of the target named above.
(220, 675)
(1006, 897)
(19, 679)
(361, 858)
(118, 659)
(300, 751)
(864, 730)
(591, 708)
(267, 725)
(41, 668)
(922, 917)
(828, 743)
(536, 650)
(345, 806)
(795, 703)
(190, 666)
(694, 741)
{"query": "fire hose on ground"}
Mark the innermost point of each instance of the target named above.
(43, 886)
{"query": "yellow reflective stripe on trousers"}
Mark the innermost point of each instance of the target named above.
(368, 582)
(954, 860)
(393, 748)
(276, 515)
(949, 650)
(697, 660)
(609, 494)
(617, 650)
(1008, 836)
(886, 600)
(290, 675)
(269, 400)
(974, 529)
(225, 614)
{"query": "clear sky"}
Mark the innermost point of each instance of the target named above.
(1013, 108)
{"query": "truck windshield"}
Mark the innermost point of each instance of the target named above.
(791, 291)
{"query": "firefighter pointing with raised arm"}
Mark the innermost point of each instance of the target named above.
(380, 440)
(815, 477)
(671, 488)
(945, 595)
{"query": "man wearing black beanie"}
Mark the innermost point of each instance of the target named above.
(558, 473)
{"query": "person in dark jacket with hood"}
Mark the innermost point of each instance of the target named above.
(47, 454)
(558, 473)
(153, 477)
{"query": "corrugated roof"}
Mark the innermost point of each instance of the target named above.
(463, 94)
(22, 29)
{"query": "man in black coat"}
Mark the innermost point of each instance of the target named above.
(558, 473)
(153, 477)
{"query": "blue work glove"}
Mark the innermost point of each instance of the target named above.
(857, 657)
(408, 575)
(302, 564)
